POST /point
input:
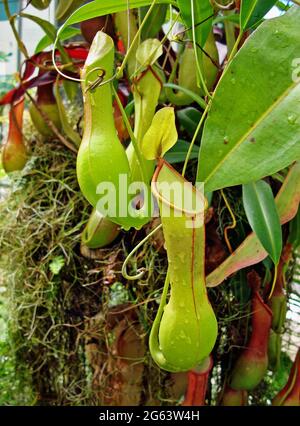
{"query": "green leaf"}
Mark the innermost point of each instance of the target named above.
(235, 18)
(155, 20)
(40, 4)
(49, 30)
(202, 11)
(253, 126)
(282, 6)
(46, 41)
(251, 252)
(2, 171)
(161, 135)
(99, 8)
(261, 212)
(189, 118)
(178, 152)
(196, 98)
(57, 264)
(252, 11)
(148, 52)
(67, 128)
(294, 235)
(64, 8)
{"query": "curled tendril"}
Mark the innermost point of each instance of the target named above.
(92, 86)
(229, 227)
(67, 77)
(141, 271)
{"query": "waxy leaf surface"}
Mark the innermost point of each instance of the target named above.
(262, 215)
(253, 126)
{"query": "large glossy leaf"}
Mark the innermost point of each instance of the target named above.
(202, 11)
(253, 127)
(99, 8)
(252, 11)
(261, 212)
(251, 251)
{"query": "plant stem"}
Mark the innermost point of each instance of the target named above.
(201, 102)
(194, 138)
(11, 20)
(202, 81)
(274, 281)
(236, 45)
(141, 271)
(233, 225)
(132, 45)
(131, 135)
(140, 68)
(230, 34)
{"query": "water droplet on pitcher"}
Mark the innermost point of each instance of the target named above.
(182, 335)
(292, 119)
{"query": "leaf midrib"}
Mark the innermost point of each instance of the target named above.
(253, 128)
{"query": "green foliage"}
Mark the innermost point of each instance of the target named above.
(60, 304)
(94, 9)
(14, 379)
(252, 11)
(178, 152)
(47, 40)
(66, 7)
(294, 237)
(155, 20)
(253, 124)
(4, 57)
(203, 17)
(263, 217)
(56, 264)
(272, 383)
(161, 135)
(188, 119)
(118, 294)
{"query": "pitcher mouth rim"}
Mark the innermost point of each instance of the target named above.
(158, 195)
